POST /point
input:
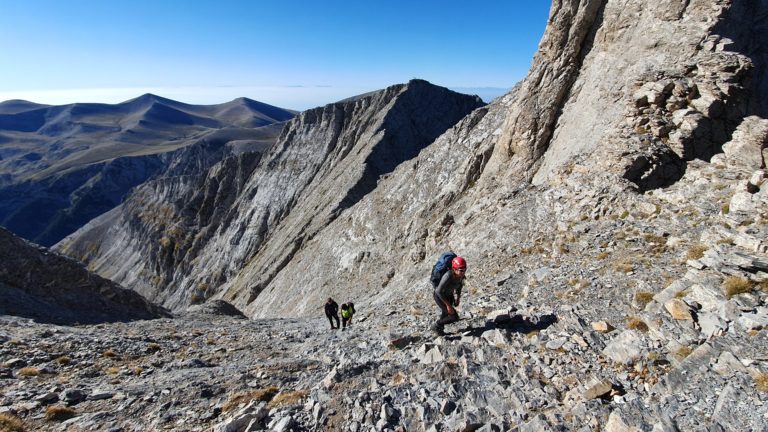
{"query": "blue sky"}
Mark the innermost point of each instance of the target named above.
(293, 54)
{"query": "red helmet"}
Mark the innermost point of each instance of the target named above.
(458, 263)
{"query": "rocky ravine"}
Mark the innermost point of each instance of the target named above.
(178, 241)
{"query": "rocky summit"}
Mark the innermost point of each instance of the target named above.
(612, 208)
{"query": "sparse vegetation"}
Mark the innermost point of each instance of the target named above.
(288, 398)
(642, 298)
(635, 323)
(153, 347)
(761, 381)
(682, 352)
(29, 372)
(10, 423)
(763, 286)
(726, 208)
(112, 370)
(109, 354)
(734, 285)
(623, 266)
(265, 395)
(696, 252)
(63, 360)
(59, 413)
(603, 255)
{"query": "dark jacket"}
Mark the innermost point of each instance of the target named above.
(331, 309)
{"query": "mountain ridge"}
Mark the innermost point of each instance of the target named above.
(53, 157)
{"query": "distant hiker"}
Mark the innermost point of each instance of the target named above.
(332, 312)
(448, 286)
(347, 311)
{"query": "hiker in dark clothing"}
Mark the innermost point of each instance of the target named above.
(447, 294)
(332, 312)
(347, 311)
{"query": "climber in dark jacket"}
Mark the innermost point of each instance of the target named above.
(332, 312)
(447, 294)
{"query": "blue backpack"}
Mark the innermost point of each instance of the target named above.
(441, 266)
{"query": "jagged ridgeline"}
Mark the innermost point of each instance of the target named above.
(184, 239)
(61, 166)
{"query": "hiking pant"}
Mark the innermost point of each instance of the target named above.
(331, 318)
(445, 317)
(344, 322)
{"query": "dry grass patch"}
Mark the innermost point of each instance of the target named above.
(635, 323)
(642, 298)
(153, 347)
(63, 360)
(603, 255)
(734, 285)
(761, 381)
(762, 286)
(109, 354)
(290, 398)
(264, 395)
(696, 252)
(623, 266)
(29, 372)
(682, 352)
(10, 423)
(112, 370)
(59, 413)
(659, 243)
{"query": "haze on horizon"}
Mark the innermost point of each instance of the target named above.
(296, 56)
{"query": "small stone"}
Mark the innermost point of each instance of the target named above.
(602, 327)
(597, 388)
(447, 407)
(678, 309)
(73, 396)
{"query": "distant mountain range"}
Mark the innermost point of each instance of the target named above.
(60, 166)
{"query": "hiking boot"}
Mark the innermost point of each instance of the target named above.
(438, 330)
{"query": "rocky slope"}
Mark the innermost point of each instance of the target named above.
(614, 219)
(48, 287)
(61, 166)
(178, 244)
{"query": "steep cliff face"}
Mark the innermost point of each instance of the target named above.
(325, 161)
(47, 287)
(61, 166)
(621, 95)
